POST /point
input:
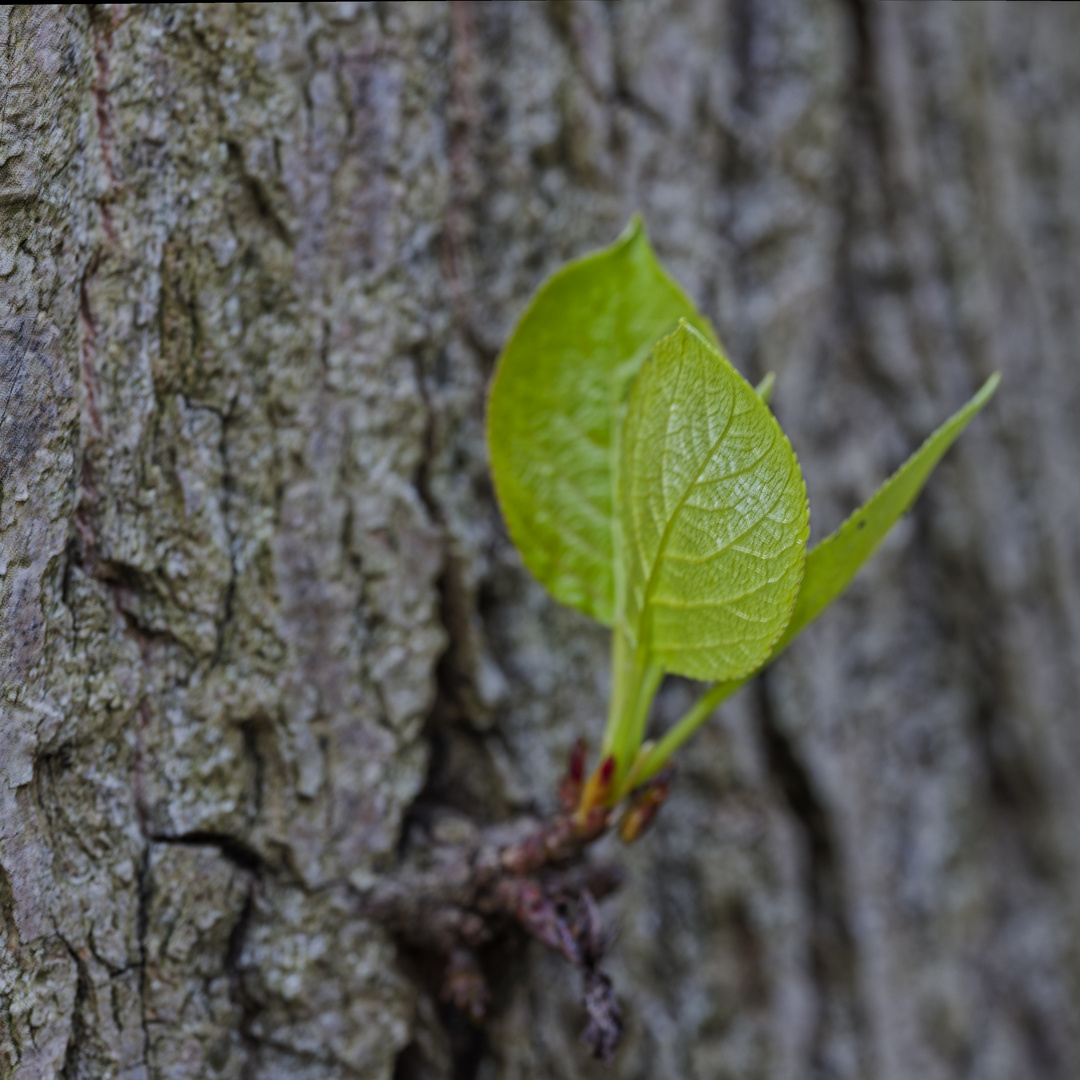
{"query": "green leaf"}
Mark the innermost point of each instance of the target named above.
(764, 388)
(713, 515)
(556, 406)
(832, 564)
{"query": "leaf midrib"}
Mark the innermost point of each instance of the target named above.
(662, 546)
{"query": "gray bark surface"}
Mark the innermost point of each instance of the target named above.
(258, 609)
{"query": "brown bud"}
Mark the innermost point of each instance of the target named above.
(570, 785)
(597, 791)
(644, 803)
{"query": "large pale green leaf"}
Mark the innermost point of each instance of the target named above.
(713, 515)
(832, 564)
(556, 405)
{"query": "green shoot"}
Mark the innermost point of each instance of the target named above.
(646, 483)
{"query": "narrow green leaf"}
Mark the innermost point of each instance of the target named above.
(713, 515)
(680, 731)
(832, 564)
(556, 405)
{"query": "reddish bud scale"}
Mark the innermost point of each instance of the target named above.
(539, 915)
(643, 807)
(593, 823)
(607, 772)
(570, 785)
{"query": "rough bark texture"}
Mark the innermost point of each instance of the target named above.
(256, 262)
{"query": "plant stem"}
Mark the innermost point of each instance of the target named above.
(621, 679)
(634, 733)
(698, 713)
(635, 680)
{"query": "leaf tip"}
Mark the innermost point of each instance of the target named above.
(687, 328)
(635, 230)
(764, 388)
(988, 388)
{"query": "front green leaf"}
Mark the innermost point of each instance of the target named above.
(832, 564)
(556, 404)
(713, 515)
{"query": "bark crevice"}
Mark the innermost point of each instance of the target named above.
(832, 952)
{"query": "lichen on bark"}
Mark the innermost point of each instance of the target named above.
(255, 265)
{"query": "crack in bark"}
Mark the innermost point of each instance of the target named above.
(235, 850)
(1012, 787)
(69, 1070)
(228, 488)
(833, 953)
(145, 887)
(260, 198)
(864, 85)
(237, 989)
(107, 17)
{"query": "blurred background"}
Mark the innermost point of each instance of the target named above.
(259, 610)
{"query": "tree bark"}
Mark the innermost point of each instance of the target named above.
(259, 611)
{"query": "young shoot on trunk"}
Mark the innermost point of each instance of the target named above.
(648, 484)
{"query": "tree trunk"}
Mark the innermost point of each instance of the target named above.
(256, 262)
